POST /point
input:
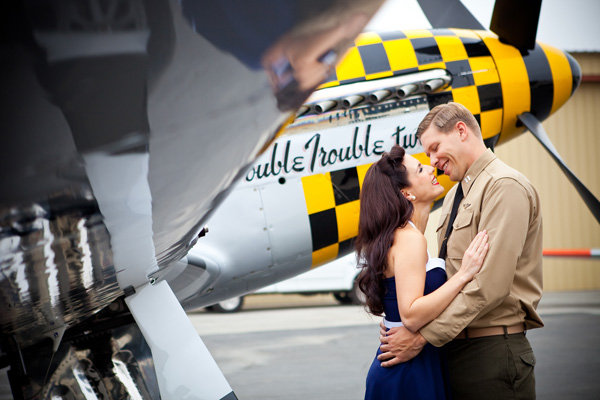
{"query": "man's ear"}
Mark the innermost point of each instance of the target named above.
(461, 128)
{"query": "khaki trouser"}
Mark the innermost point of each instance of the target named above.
(493, 367)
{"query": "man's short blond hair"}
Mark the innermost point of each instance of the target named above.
(445, 116)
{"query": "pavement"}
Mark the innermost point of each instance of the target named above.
(323, 350)
(292, 312)
(587, 301)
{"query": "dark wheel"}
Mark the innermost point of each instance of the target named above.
(228, 306)
(342, 297)
(356, 296)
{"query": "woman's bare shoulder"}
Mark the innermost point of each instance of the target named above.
(408, 237)
(409, 248)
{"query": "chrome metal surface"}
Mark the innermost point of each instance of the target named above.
(375, 91)
(406, 90)
(352, 101)
(54, 271)
(116, 365)
(379, 95)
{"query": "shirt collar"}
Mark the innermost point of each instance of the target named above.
(475, 169)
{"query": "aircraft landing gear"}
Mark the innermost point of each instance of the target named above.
(228, 306)
(354, 296)
(106, 355)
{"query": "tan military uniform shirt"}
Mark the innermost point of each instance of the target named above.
(509, 286)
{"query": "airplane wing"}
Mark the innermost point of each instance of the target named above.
(124, 123)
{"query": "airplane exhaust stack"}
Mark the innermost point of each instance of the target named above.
(406, 90)
(433, 85)
(379, 95)
(323, 106)
(351, 101)
(302, 110)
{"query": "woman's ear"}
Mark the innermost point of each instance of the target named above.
(409, 196)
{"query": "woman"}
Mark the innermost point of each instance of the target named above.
(398, 277)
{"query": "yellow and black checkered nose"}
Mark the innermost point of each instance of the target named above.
(540, 81)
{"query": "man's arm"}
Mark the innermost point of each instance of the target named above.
(505, 215)
(400, 345)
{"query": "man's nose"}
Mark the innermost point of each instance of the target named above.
(434, 160)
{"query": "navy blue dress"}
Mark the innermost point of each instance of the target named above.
(423, 377)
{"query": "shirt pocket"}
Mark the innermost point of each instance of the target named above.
(443, 221)
(461, 235)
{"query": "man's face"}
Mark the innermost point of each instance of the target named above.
(445, 151)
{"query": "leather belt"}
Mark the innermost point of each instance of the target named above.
(470, 333)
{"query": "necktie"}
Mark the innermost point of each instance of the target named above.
(457, 198)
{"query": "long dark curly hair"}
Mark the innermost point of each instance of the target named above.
(383, 208)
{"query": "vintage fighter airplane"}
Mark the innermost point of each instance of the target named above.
(126, 121)
(298, 205)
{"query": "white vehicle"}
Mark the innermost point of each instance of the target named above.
(337, 277)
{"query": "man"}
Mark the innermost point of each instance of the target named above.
(483, 329)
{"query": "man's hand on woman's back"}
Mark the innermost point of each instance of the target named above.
(399, 345)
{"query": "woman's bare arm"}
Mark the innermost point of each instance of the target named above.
(408, 256)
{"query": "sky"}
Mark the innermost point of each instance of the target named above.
(569, 25)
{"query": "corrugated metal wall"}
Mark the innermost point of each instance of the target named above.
(567, 222)
(574, 130)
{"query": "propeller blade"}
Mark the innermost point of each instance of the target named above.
(184, 366)
(516, 21)
(535, 127)
(448, 14)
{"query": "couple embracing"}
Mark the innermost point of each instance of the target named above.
(454, 326)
